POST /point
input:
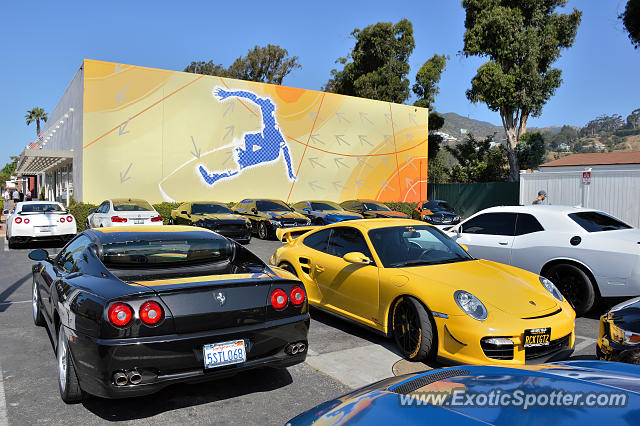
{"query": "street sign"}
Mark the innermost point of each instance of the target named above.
(586, 178)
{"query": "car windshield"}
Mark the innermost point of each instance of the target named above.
(271, 206)
(402, 246)
(132, 205)
(441, 206)
(41, 208)
(376, 207)
(597, 221)
(209, 208)
(326, 205)
(166, 252)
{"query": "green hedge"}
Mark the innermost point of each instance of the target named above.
(402, 206)
(80, 211)
(165, 210)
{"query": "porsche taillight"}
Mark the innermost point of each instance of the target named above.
(297, 295)
(151, 313)
(278, 298)
(120, 314)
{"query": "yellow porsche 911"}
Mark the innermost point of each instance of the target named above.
(409, 281)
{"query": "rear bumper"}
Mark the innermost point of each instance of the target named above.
(169, 359)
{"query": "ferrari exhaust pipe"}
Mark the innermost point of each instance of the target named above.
(294, 349)
(134, 377)
(301, 347)
(119, 378)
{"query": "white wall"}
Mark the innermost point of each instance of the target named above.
(616, 192)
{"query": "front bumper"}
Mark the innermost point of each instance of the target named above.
(460, 338)
(234, 232)
(607, 348)
(169, 359)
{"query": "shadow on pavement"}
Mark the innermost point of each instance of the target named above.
(10, 290)
(189, 395)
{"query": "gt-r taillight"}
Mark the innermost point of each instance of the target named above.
(297, 295)
(156, 219)
(18, 220)
(69, 219)
(26, 221)
(118, 219)
(278, 298)
(151, 313)
(120, 314)
(62, 219)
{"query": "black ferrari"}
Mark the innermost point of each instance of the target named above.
(135, 309)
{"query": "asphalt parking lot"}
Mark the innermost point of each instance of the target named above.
(341, 357)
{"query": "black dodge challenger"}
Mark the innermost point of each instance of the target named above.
(135, 309)
(214, 216)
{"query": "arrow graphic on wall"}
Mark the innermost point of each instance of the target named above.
(119, 95)
(359, 183)
(339, 163)
(385, 185)
(340, 139)
(388, 139)
(341, 117)
(196, 151)
(412, 118)
(314, 185)
(125, 176)
(231, 106)
(229, 130)
(408, 183)
(363, 140)
(337, 185)
(314, 138)
(363, 161)
(229, 157)
(122, 130)
(314, 162)
(385, 160)
(363, 117)
(410, 161)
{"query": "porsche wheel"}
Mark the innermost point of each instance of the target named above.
(575, 285)
(38, 319)
(263, 231)
(67, 379)
(412, 329)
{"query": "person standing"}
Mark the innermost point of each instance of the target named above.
(16, 198)
(27, 195)
(7, 198)
(542, 194)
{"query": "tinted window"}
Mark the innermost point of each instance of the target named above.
(104, 208)
(209, 208)
(347, 240)
(527, 224)
(301, 205)
(271, 206)
(491, 224)
(376, 207)
(40, 208)
(597, 221)
(166, 252)
(71, 255)
(438, 206)
(131, 205)
(325, 206)
(318, 240)
(348, 204)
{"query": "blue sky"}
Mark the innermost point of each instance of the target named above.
(43, 44)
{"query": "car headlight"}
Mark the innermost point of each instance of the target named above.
(619, 335)
(457, 218)
(275, 222)
(308, 222)
(551, 288)
(471, 305)
(427, 218)
(247, 224)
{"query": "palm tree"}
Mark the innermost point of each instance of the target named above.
(36, 114)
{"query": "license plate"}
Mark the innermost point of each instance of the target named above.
(45, 229)
(225, 353)
(536, 337)
(138, 221)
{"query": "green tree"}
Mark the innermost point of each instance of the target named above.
(531, 150)
(521, 39)
(427, 79)
(567, 135)
(479, 161)
(35, 115)
(377, 67)
(270, 64)
(7, 170)
(631, 20)
(438, 172)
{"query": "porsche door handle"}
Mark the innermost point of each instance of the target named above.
(503, 243)
(319, 268)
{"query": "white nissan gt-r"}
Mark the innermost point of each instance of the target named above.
(39, 220)
(586, 253)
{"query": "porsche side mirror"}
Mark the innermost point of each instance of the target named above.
(464, 247)
(356, 257)
(39, 255)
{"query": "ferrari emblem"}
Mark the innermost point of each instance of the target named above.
(220, 297)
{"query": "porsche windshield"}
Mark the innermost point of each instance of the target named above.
(376, 207)
(271, 206)
(132, 205)
(325, 206)
(401, 246)
(209, 209)
(40, 208)
(166, 252)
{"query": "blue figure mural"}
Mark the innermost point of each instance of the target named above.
(259, 148)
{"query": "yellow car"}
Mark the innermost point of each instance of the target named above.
(407, 280)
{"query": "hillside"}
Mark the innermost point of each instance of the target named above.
(457, 126)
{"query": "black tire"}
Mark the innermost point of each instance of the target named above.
(68, 384)
(289, 267)
(413, 330)
(86, 224)
(11, 242)
(575, 285)
(170, 222)
(263, 231)
(38, 319)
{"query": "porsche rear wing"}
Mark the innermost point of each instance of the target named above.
(286, 235)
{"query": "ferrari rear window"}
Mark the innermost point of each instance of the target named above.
(41, 208)
(162, 253)
(132, 205)
(597, 221)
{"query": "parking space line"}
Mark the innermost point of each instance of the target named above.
(6, 246)
(4, 420)
(586, 343)
(18, 301)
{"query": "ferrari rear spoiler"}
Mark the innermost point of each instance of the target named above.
(286, 235)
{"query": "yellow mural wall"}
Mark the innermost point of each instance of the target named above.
(174, 136)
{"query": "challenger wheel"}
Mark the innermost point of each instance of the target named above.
(38, 319)
(67, 379)
(412, 329)
(575, 285)
(263, 231)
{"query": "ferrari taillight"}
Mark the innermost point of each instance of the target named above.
(151, 313)
(156, 219)
(120, 314)
(278, 298)
(18, 220)
(297, 295)
(118, 219)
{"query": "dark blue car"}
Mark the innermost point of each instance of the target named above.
(324, 212)
(571, 392)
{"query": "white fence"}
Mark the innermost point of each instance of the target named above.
(616, 192)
